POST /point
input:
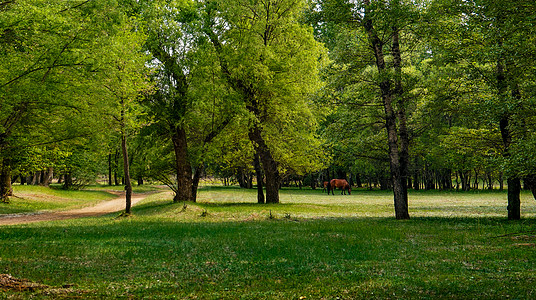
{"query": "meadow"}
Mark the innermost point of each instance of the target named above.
(311, 246)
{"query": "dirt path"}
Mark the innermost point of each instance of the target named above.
(101, 208)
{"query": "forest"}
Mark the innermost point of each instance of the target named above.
(389, 94)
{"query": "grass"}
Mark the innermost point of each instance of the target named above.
(456, 246)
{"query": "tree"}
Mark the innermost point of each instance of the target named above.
(126, 81)
(382, 33)
(189, 106)
(271, 61)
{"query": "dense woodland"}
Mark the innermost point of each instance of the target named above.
(431, 94)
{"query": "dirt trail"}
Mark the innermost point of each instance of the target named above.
(101, 208)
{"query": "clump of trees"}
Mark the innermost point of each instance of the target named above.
(402, 94)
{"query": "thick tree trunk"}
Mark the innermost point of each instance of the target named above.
(126, 170)
(269, 165)
(258, 173)
(183, 167)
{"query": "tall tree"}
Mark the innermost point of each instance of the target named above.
(189, 107)
(381, 31)
(271, 60)
(126, 81)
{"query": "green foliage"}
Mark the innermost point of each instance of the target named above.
(54, 68)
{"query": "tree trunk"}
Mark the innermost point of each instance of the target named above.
(68, 180)
(514, 202)
(47, 176)
(6, 190)
(195, 181)
(258, 172)
(401, 208)
(397, 157)
(269, 165)
(182, 165)
(116, 165)
(110, 169)
(36, 178)
(126, 170)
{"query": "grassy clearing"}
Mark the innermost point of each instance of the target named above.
(227, 247)
(30, 199)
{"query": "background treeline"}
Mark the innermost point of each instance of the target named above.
(388, 94)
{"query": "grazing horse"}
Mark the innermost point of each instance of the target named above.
(341, 184)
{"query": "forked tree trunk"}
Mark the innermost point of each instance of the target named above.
(269, 165)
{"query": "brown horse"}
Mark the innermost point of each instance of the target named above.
(341, 184)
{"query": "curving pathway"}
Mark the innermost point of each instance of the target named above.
(101, 208)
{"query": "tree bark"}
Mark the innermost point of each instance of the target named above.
(182, 165)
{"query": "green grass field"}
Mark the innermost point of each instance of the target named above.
(311, 246)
